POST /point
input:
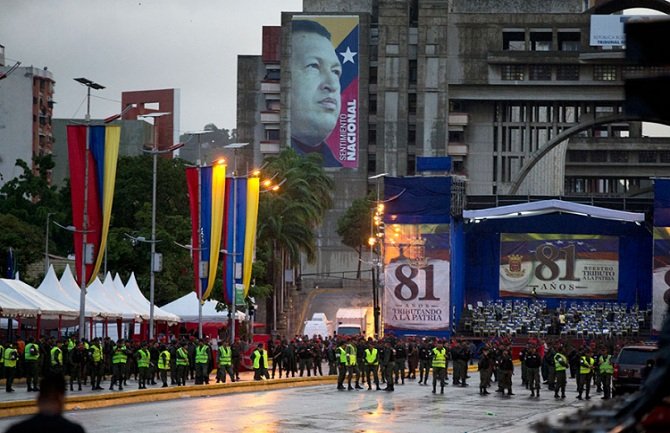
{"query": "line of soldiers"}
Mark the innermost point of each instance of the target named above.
(383, 361)
(590, 366)
(93, 360)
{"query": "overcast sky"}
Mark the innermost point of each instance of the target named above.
(128, 45)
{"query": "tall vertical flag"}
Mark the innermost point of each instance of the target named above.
(241, 217)
(206, 187)
(102, 156)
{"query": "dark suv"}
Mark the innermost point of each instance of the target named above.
(629, 367)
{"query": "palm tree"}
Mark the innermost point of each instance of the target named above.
(288, 220)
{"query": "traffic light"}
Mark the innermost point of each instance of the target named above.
(647, 95)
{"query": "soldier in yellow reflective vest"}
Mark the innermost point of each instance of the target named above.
(260, 360)
(371, 363)
(10, 357)
(32, 363)
(439, 364)
(56, 355)
(202, 354)
(119, 360)
(143, 358)
(586, 367)
(163, 364)
(351, 365)
(560, 369)
(182, 364)
(97, 364)
(341, 357)
(606, 371)
(225, 362)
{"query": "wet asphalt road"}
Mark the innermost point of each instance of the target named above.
(410, 409)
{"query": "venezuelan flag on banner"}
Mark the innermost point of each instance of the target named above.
(240, 225)
(253, 191)
(235, 227)
(103, 144)
(206, 187)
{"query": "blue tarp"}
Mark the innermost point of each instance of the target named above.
(417, 200)
(661, 202)
(433, 163)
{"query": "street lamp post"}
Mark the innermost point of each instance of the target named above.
(84, 256)
(153, 262)
(195, 251)
(377, 280)
(46, 244)
(154, 268)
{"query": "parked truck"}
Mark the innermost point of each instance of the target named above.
(354, 321)
(318, 325)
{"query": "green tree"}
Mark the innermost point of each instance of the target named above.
(288, 219)
(25, 203)
(27, 244)
(131, 215)
(354, 227)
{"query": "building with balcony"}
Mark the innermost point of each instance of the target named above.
(26, 105)
(492, 84)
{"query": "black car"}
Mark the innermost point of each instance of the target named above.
(631, 367)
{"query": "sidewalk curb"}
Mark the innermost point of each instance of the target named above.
(72, 403)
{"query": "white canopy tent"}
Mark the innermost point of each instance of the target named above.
(186, 307)
(73, 290)
(11, 307)
(38, 304)
(133, 295)
(52, 288)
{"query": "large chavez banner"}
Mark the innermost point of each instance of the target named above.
(324, 88)
(416, 284)
(559, 265)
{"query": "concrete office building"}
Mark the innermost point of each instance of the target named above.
(26, 104)
(488, 83)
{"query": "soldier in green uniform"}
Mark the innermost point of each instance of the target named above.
(31, 359)
(182, 364)
(586, 367)
(389, 362)
(143, 358)
(260, 362)
(226, 363)
(351, 365)
(606, 371)
(561, 365)
(10, 357)
(78, 357)
(56, 356)
(439, 364)
(202, 363)
(341, 356)
(163, 364)
(97, 366)
(119, 360)
(371, 364)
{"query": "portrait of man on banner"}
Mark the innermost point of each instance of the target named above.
(324, 88)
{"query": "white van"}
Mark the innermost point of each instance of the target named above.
(318, 325)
